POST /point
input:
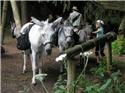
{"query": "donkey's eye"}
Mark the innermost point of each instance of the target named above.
(43, 35)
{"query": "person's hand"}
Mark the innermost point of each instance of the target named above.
(93, 32)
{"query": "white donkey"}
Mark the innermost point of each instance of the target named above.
(40, 37)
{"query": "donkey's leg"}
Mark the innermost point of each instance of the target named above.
(33, 66)
(39, 62)
(24, 60)
(61, 64)
(40, 65)
(40, 59)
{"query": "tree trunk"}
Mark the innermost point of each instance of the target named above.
(109, 56)
(16, 15)
(3, 20)
(70, 75)
(23, 12)
(122, 28)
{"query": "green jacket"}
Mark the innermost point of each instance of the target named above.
(100, 32)
(76, 19)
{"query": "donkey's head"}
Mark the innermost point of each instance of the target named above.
(48, 33)
(47, 36)
(88, 30)
(67, 35)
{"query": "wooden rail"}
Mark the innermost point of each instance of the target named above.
(71, 52)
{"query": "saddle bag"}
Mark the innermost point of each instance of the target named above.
(23, 42)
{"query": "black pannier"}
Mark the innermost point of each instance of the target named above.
(23, 42)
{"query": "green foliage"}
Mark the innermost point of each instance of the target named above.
(83, 82)
(25, 90)
(94, 11)
(100, 70)
(59, 86)
(66, 5)
(41, 77)
(111, 85)
(118, 46)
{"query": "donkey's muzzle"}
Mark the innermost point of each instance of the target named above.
(48, 51)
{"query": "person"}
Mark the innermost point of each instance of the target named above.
(99, 51)
(75, 19)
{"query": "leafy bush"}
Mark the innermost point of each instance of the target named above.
(105, 84)
(59, 86)
(118, 46)
(100, 70)
(25, 90)
(110, 85)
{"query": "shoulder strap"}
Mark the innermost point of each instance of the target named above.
(74, 19)
(28, 28)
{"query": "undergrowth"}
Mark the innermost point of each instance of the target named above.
(118, 46)
(111, 83)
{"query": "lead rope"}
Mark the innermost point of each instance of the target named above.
(43, 85)
(40, 77)
(83, 71)
(40, 72)
(85, 62)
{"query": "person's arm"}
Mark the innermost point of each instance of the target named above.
(81, 21)
(96, 31)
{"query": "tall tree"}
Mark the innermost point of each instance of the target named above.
(122, 26)
(23, 12)
(16, 15)
(3, 20)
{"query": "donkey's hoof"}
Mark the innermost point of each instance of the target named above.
(61, 72)
(24, 71)
(33, 81)
(34, 84)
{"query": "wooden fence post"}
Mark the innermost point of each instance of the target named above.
(3, 20)
(109, 56)
(70, 75)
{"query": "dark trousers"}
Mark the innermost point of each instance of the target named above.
(99, 51)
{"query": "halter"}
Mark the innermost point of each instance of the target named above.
(47, 43)
(66, 36)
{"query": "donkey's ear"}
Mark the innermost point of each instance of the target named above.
(11, 22)
(57, 21)
(36, 21)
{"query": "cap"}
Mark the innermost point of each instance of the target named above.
(75, 8)
(100, 21)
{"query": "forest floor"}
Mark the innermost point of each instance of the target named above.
(13, 80)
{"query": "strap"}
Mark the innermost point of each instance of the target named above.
(74, 19)
(28, 28)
